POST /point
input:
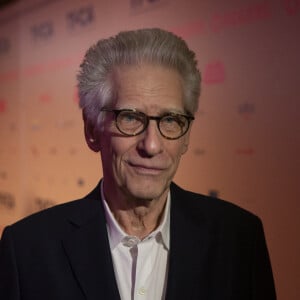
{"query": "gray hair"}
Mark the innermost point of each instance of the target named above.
(155, 46)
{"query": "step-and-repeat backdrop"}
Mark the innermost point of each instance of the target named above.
(245, 140)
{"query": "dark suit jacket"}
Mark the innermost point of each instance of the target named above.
(217, 252)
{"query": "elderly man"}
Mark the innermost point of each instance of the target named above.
(137, 235)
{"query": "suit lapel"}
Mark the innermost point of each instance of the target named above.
(87, 248)
(88, 251)
(189, 249)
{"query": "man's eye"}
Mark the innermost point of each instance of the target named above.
(129, 117)
(169, 119)
(172, 120)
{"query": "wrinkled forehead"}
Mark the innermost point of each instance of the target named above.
(148, 86)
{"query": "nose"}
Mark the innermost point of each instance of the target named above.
(150, 143)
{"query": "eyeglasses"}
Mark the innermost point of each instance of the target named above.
(131, 122)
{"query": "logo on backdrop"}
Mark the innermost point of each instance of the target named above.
(43, 203)
(199, 151)
(213, 193)
(246, 110)
(142, 5)
(42, 31)
(80, 17)
(7, 200)
(80, 182)
(76, 18)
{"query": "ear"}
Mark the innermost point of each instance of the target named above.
(184, 148)
(92, 139)
(186, 141)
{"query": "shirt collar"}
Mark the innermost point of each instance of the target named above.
(116, 234)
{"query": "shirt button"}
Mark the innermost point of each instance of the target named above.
(142, 291)
(130, 241)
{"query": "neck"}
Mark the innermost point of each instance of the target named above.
(137, 217)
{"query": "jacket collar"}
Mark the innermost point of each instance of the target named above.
(88, 251)
(189, 246)
(91, 260)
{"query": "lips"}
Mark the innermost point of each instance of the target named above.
(146, 169)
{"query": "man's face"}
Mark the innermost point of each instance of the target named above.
(142, 166)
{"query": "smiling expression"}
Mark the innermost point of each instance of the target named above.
(142, 166)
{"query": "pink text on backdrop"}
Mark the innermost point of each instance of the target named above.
(240, 16)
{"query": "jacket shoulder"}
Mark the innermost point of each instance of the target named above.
(211, 208)
(57, 219)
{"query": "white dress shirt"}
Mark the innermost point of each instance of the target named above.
(140, 265)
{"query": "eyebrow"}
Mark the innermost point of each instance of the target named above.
(163, 112)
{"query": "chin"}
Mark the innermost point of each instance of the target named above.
(148, 190)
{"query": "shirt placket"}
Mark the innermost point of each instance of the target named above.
(143, 270)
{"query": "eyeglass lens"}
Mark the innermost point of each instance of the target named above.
(171, 126)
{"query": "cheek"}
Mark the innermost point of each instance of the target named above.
(175, 152)
(120, 147)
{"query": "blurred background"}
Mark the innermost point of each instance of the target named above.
(245, 140)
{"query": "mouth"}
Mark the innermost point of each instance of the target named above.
(145, 169)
